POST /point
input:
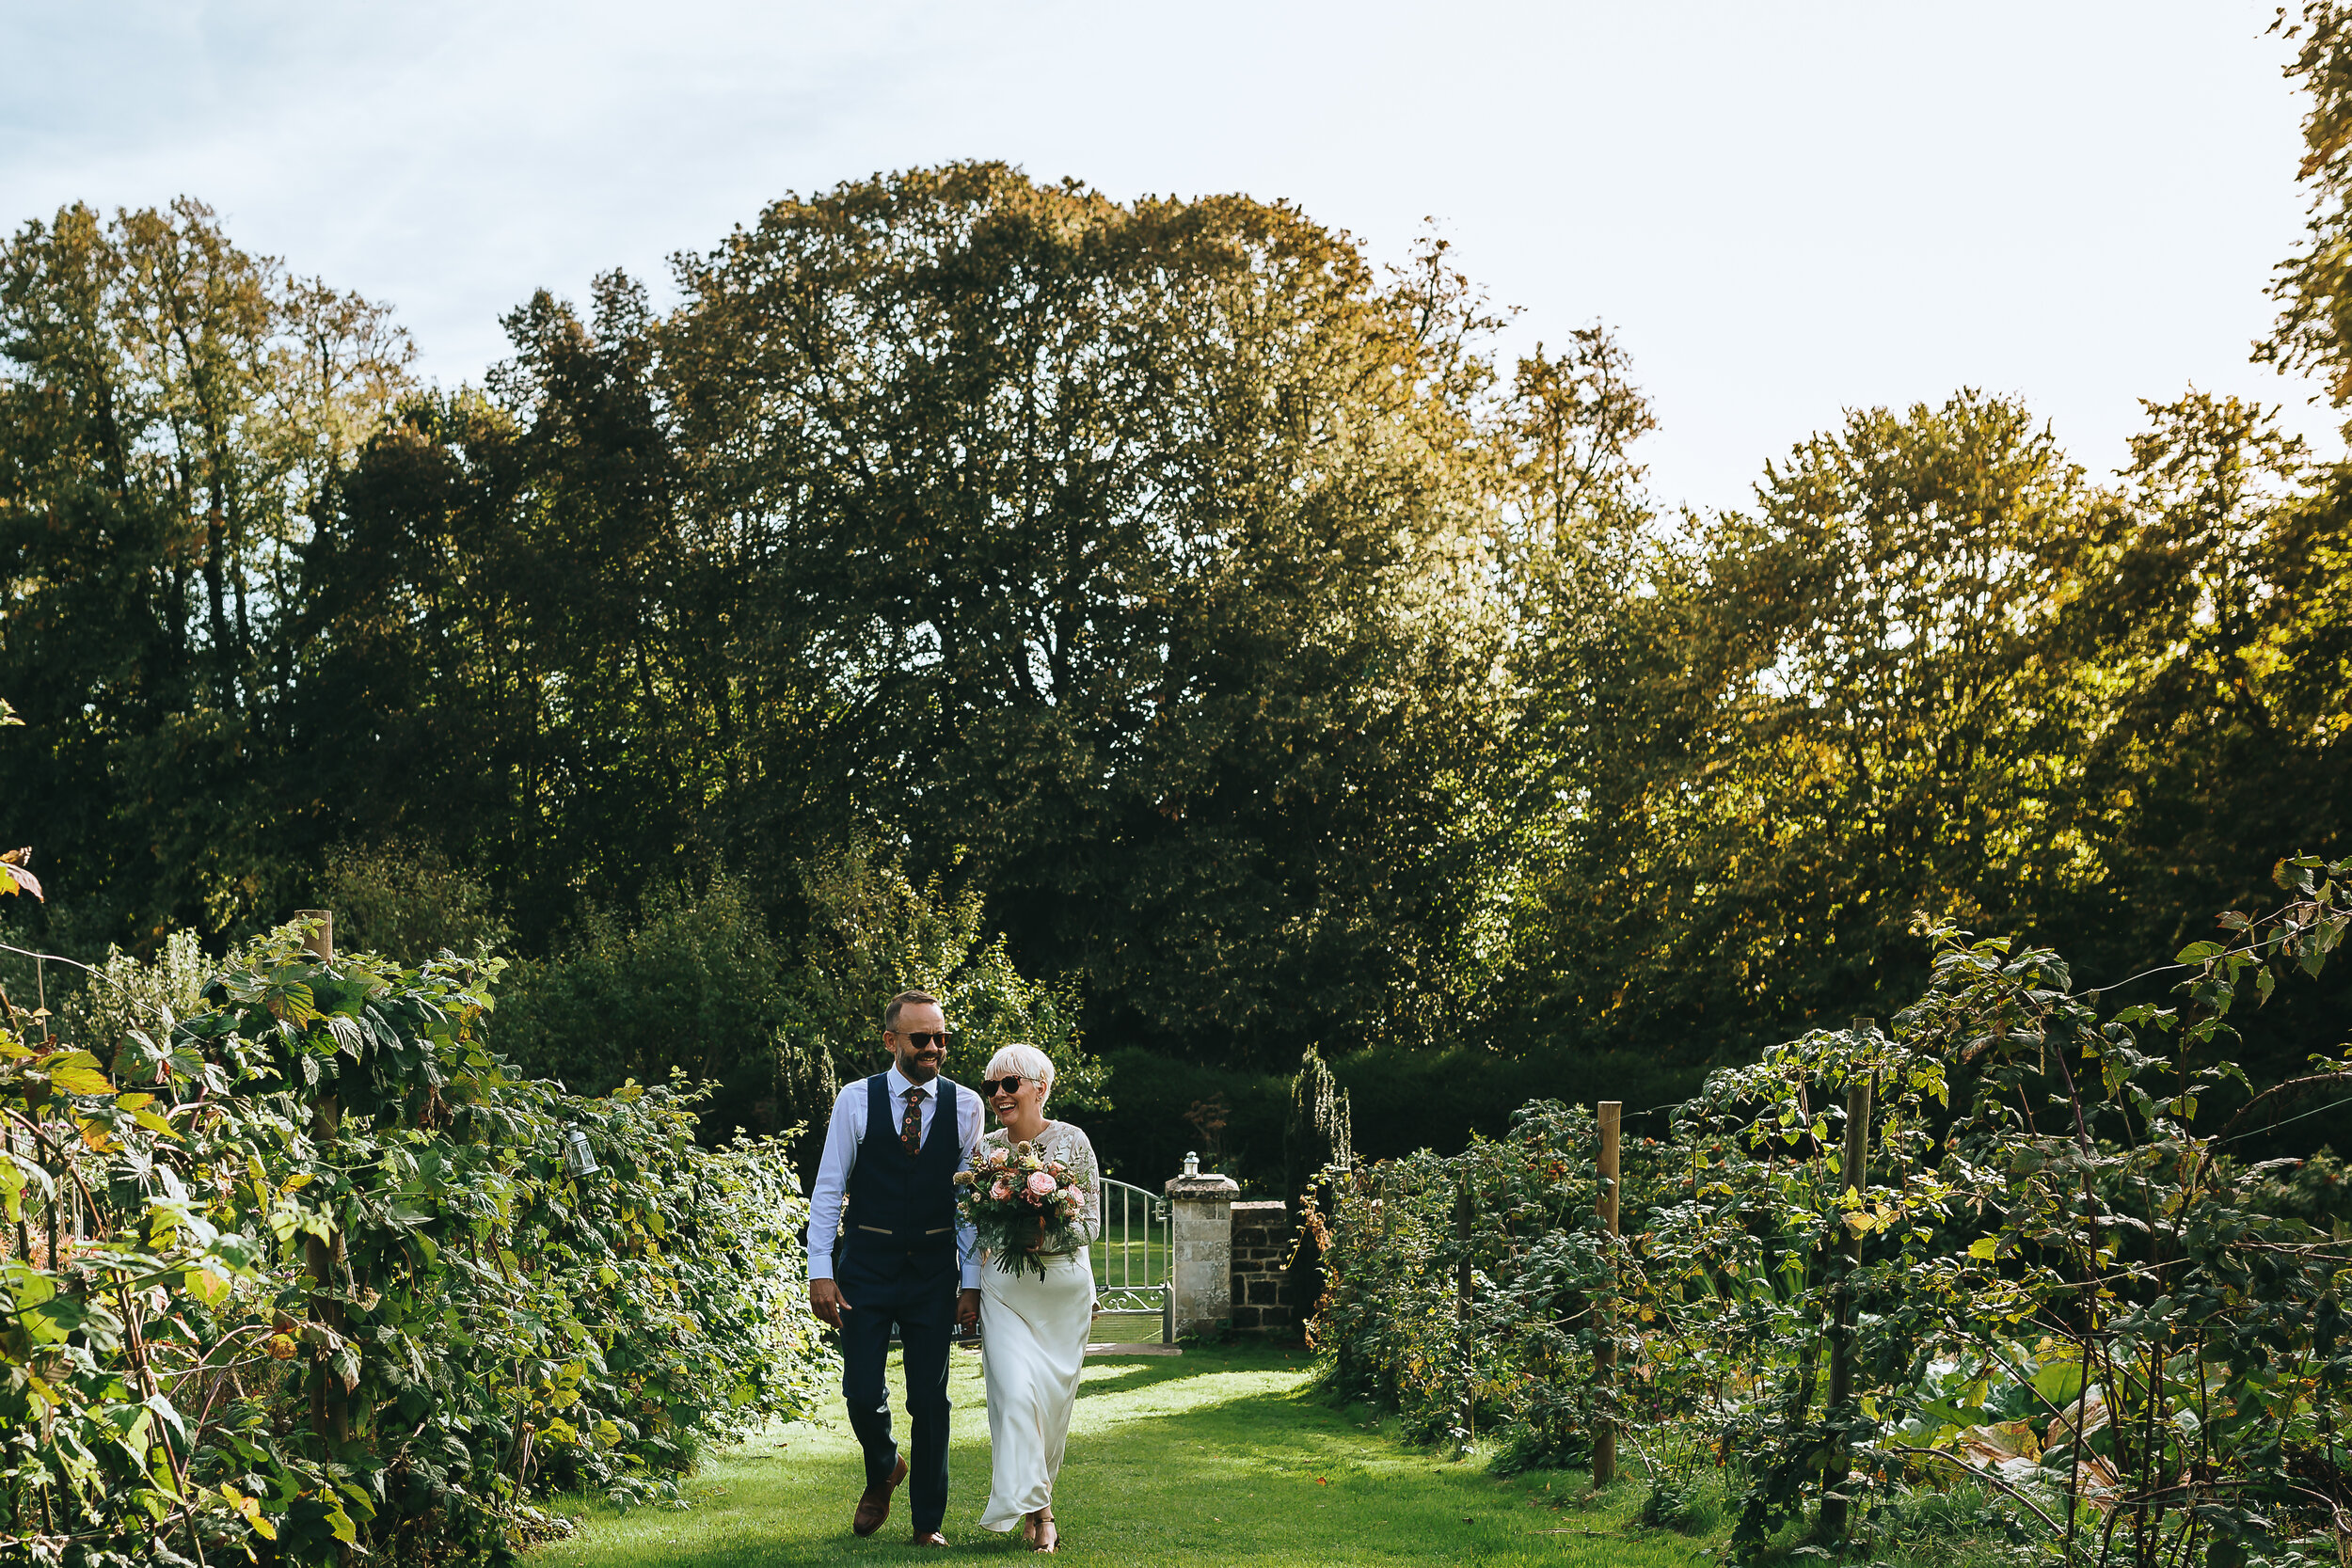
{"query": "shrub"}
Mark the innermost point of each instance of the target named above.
(403, 899)
(121, 994)
(2043, 1276)
(698, 984)
(309, 1271)
(1404, 1099)
(695, 985)
(872, 933)
(1519, 1213)
(1161, 1107)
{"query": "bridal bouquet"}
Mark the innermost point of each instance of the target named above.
(1017, 1199)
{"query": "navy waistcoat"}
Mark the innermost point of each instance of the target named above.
(901, 1216)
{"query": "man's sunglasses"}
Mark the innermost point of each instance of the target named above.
(1001, 1086)
(924, 1041)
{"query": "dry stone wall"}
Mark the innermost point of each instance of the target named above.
(1261, 1272)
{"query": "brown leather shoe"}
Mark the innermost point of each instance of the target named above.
(933, 1539)
(874, 1506)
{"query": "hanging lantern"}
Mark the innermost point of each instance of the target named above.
(579, 1159)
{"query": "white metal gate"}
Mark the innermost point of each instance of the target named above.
(1134, 1300)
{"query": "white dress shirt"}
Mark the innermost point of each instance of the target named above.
(847, 1128)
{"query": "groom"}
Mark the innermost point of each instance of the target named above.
(898, 1254)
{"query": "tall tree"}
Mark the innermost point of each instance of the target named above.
(1804, 722)
(173, 411)
(2313, 287)
(2213, 643)
(510, 638)
(1132, 555)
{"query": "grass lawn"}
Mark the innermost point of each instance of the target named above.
(1214, 1458)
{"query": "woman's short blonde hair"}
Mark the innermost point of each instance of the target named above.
(1027, 1061)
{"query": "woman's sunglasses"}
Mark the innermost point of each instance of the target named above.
(1001, 1085)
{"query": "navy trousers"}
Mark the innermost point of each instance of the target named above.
(919, 1298)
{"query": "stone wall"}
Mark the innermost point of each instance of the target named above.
(1260, 1279)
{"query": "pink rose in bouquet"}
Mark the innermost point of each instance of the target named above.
(1041, 1183)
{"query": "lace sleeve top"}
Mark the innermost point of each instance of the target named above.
(1063, 1142)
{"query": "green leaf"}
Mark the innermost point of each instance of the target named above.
(2198, 952)
(2060, 1382)
(27, 1287)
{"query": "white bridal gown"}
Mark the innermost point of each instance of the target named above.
(1033, 1342)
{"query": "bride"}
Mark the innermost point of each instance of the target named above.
(1033, 1332)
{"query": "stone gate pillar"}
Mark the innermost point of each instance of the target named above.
(1200, 1242)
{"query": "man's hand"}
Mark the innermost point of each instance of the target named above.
(968, 1310)
(824, 1297)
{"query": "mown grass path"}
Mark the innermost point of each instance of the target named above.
(1214, 1457)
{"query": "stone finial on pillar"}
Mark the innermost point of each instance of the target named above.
(1200, 1239)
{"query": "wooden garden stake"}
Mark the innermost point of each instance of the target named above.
(1462, 1292)
(23, 1230)
(330, 1409)
(1605, 1312)
(1849, 1172)
(1462, 1264)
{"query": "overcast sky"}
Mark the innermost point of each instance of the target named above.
(1785, 209)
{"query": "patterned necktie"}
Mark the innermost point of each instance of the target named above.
(910, 1128)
